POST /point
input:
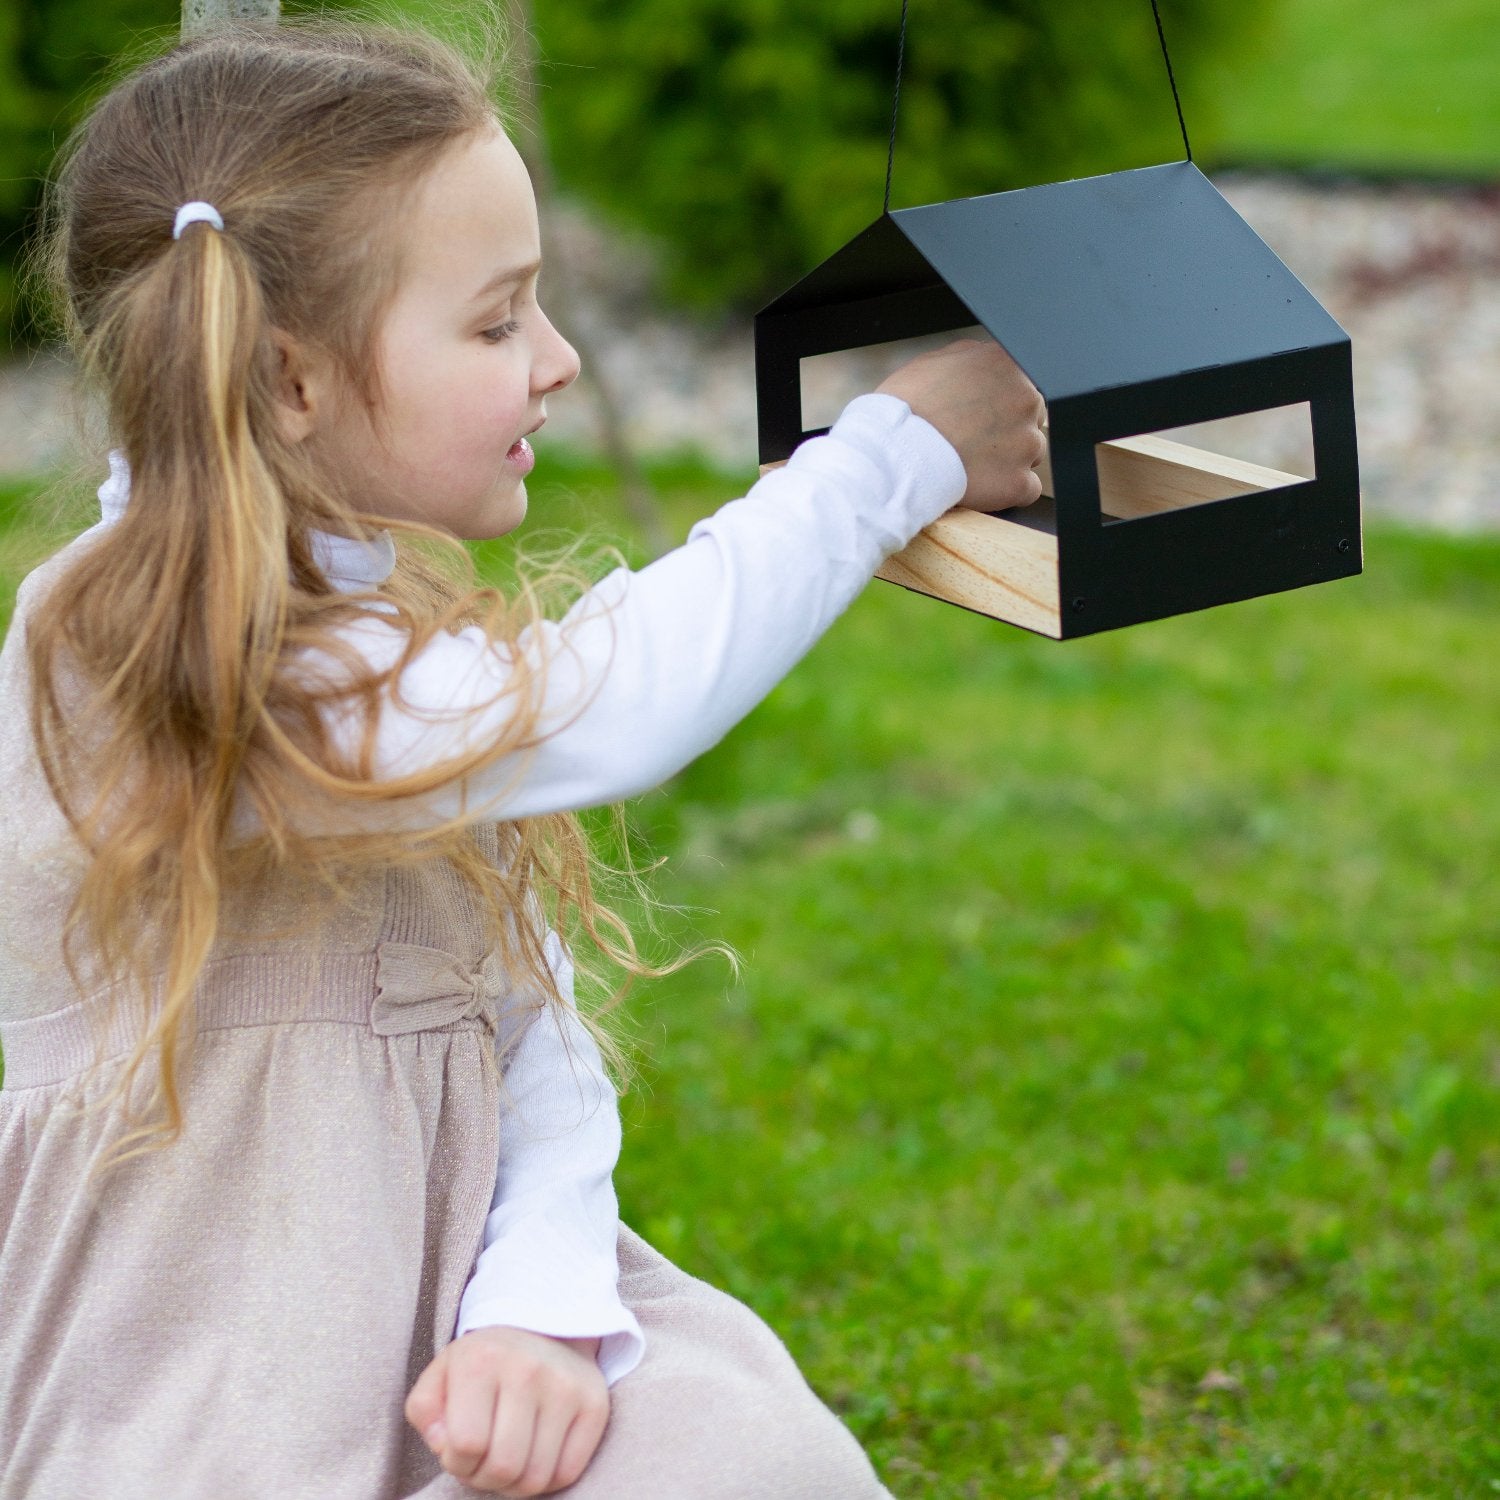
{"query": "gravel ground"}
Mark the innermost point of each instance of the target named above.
(1413, 273)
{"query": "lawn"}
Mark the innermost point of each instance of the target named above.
(1108, 1103)
(1108, 1106)
(1348, 83)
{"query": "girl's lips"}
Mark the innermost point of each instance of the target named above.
(520, 456)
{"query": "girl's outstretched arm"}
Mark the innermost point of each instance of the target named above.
(650, 669)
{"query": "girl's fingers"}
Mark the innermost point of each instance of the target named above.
(470, 1418)
(509, 1444)
(424, 1403)
(582, 1440)
(552, 1426)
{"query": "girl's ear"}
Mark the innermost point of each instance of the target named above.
(304, 388)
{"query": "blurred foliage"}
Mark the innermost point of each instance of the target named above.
(53, 55)
(751, 135)
(749, 139)
(1388, 89)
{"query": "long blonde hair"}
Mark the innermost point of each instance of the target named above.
(162, 707)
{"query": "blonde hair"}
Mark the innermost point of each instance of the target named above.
(161, 696)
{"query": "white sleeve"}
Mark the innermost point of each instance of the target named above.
(650, 669)
(549, 1258)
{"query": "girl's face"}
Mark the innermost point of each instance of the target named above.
(466, 358)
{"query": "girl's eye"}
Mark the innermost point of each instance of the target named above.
(503, 331)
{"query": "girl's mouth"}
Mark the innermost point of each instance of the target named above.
(520, 456)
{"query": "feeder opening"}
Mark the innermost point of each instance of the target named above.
(1186, 466)
(831, 381)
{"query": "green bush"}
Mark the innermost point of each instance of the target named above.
(53, 53)
(747, 136)
(750, 135)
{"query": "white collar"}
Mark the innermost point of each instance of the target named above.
(347, 563)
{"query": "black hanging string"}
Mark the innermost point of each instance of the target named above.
(1161, 36)
(890, 155)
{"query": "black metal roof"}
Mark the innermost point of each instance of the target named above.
(1090, 284)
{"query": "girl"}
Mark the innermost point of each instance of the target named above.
(295, 1085)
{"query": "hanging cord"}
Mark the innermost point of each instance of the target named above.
(890, 155)
(1161, 36)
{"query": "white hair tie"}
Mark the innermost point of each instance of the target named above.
(196, 212)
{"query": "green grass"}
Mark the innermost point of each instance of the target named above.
(1348, 83)
(1113, 1013)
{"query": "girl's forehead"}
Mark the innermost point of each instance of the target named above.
(472, 217)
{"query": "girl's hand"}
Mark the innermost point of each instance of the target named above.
(976, 395)
(512, 1412)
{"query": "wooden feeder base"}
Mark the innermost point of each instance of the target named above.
(1006, 565)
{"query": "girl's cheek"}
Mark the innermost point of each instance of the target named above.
(501, 380)
(510, 397)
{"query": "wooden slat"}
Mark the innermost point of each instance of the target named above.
(1141, 476)
(999, 567)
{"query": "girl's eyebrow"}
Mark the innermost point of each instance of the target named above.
(503, 278)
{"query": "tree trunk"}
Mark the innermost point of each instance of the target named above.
(641, 503)
(199, 16)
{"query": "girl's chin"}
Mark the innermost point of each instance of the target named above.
(505, 513)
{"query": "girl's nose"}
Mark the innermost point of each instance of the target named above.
(559, 366)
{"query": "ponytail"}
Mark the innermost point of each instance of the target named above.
(198, 565)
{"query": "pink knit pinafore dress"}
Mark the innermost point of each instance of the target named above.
(243, 1313)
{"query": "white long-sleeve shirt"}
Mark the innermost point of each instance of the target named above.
(647, 671)
(548, 1258)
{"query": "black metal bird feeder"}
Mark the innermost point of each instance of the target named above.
(1136, 301)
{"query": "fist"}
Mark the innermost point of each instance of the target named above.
(977, 396)
(511, 1412)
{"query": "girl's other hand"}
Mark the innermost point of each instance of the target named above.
(511, 1412)
(976, 395)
